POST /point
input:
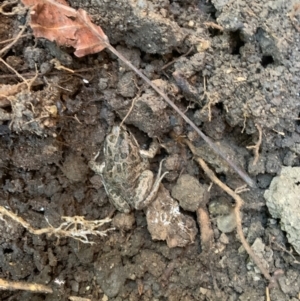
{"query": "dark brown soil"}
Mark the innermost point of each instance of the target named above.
(231, 80)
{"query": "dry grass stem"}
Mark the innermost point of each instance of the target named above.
(12, 39)
(20, 285)
(132, 106)
(57, 65)
(4, 50)
(295, 11)
(213, 25)
(16, 72)
(75, 298)
(212, 100)
(257, 144)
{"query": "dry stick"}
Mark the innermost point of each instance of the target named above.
(237, 209)
(12, 39)
(20, 285)
(268, 294)
(207, 234)
(6, 3)
(257, 144)
(16, 72)
(75, 298)
(105, 41)
(214, 25)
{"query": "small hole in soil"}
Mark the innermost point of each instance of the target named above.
(236, 42)
(206, 7)
(297, 183)
(266, 60)
(220, 106)
(8, 251)
(36, 88)
(214, 32)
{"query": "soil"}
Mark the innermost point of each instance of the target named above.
(232, 66)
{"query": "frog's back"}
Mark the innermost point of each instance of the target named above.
(123, 163)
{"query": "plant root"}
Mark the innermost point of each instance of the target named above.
(237, 211)
(75, 227)
(257, 144)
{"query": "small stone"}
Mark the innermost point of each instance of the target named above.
(123, 221)
(223, 209)
(226, 223)
(224, 239)
(190, 193)
(191, 23)
(283, 203)
(203, 290)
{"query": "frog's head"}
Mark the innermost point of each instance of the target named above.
(120, 142)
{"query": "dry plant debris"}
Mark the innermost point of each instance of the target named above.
(85, 33)
(19, 285)
(257, 144)
(75, 227)
(237, 210)
(9, 90)
(75, 298)
(56, 21)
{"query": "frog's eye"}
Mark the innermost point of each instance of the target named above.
(133, 157)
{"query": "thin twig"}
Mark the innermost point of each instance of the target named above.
(4, 50)
(132, 106)
(257, 144)
(237, 210)
(20, 285)
(12, 39)
(267, 294)
(214, 25)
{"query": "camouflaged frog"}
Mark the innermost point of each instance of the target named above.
(125, 171)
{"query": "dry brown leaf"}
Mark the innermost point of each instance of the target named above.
(57, 21)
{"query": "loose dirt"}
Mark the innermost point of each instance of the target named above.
(233, 67)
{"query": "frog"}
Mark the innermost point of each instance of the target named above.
(125, 173)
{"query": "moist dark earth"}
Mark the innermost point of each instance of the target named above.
(232, 67)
